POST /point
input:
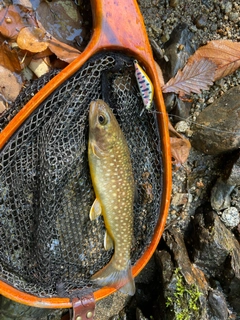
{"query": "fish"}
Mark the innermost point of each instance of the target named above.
(113, 183)
(145, 86)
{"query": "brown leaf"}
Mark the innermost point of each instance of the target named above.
(13, 19)
(159, 73)
(197, 75)
(10, 85)
(32, 39)
(9, 58)
(180, 146)
(224, 53)
(63, 51)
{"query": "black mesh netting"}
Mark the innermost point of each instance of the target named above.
(48, 245)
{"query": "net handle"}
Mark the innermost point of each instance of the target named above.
(117, 25)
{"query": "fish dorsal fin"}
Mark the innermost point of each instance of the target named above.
(95, 210)
(108, 242)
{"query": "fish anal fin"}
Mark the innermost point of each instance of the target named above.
(111, 276)
(95, 210)
(108, 241)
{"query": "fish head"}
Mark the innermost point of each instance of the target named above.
(103, 126)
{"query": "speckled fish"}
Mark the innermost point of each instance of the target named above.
(112, 178)
(145, 85)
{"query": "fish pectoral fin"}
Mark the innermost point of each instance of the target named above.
(95, 210)
(96, 150)
(108, 241)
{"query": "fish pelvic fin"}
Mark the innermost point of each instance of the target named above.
(108, 242)
(96, 210)
(110, 276)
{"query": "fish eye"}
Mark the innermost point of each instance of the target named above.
(102, 119)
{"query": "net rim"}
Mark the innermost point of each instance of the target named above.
(133, 48)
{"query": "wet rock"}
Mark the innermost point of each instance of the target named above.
(192, 275)
(228, 7)
(174, 3)
(147, 275)
(230, 217)
(234, 16)
(236, 232)
(200, 21)
(231, 278)
(164, 261)
(218, 126)
(110, 306)
(220, 195)
(177, 50)
(216, 251)
(218, 305)
(182, 282)
(182, 127)
(179, 199)
(234, 177)
(12, 310)
(139, 315)
(177, 108)
(121, 316)
(212, 242)
(146, 292)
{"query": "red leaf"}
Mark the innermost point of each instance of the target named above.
(9, 58)
(63, 51)
(13, 19)
(32, 39)
(180, 146)
(196, 75)
(224, 53)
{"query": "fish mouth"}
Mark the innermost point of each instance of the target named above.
(93, 107)
(92, 113)
(96, 107)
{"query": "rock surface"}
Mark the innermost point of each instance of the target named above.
(184, 286)
(177, 50)
(212, 242)
(220, 195)
(217, 129)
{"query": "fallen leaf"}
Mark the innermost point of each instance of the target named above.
(43, 54)
(2, 107)
(12, 19)
(9, 58)
(63, 51)
(180, 146)
(32, 39)
(224, 53)
(197, 75)
(159, 73)
(10, 84)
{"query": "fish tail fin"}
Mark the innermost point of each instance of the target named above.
(110, 276)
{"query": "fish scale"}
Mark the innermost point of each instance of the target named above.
(112, 178)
